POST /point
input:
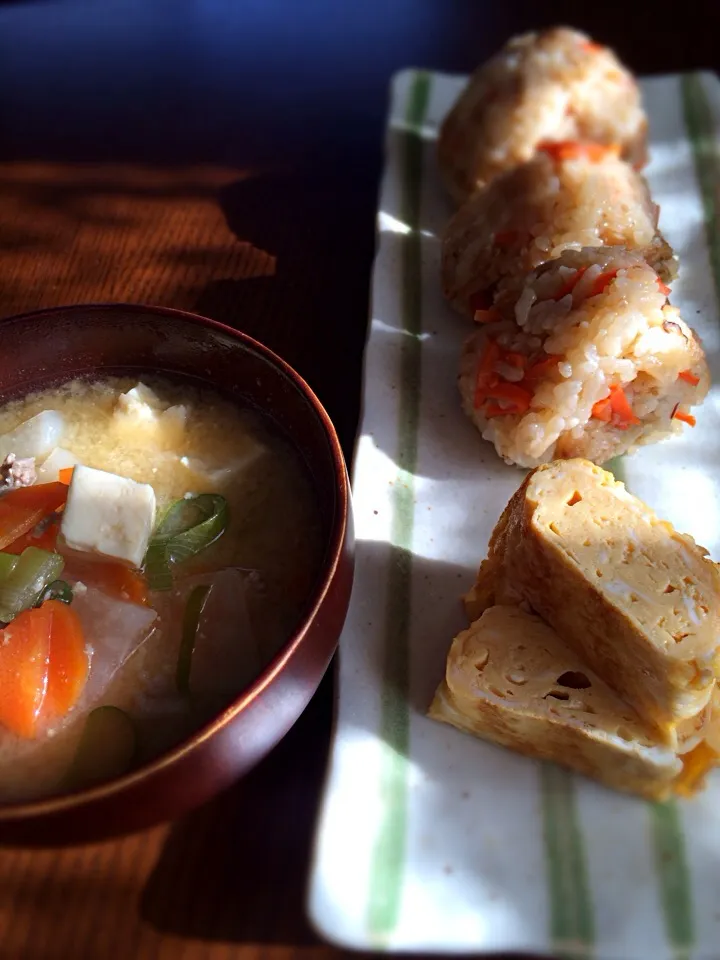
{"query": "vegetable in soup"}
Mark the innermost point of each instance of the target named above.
(157, 548)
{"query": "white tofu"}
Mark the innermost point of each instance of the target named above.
(140, 410)
(202, 476)
(140, 402)
(108, 515)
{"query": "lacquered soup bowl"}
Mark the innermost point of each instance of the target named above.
(53, 346)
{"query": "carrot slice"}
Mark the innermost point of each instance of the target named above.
(46, 539)
(517, 397)
(615, 408)
(689, 377)
(589, 47)
(69, 665)
(115, 579)
(480, 300)
(623, 416)
(487, 316)
(516, 394)
(24, 665)
(517, 360)
(602, 410)
(570, 284)
(578, 149)
(620, 404)
(505, 238)
(65, 475)
(685, 417)
(663, 287)
(495, 410)
(540, 368)
(486, 376)
(24, 508)
(602, 282)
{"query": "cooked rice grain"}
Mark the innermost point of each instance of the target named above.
(534, 212)
(553, 85)
(610, 344)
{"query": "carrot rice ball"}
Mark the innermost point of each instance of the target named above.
(554, 85)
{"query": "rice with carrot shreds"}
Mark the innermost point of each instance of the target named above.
(553, 85)
(569, 196)
(590, 361)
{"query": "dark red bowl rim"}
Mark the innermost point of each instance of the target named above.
(335, 540)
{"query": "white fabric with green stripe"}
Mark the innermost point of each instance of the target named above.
(430, 840)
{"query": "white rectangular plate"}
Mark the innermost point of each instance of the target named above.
(430, 840)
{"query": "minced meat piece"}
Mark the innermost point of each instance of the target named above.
(16, 472)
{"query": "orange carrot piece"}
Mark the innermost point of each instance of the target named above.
(46, 540)
(663, 287)
(495, 410)
(115, 579)
(623, 414)
(602, 410)
(24, 665)
(615, 408)
(602, 282)
(689, 377)
(480, 300)
(487, 316)
(518, 396)
(542, 367)
(505, 238)
(485, 371)
(570, 284)
(578, 149)
(65, 475)
(589, 47)
(685, 417)
(24, 508)
(69, 664)
(517, 360)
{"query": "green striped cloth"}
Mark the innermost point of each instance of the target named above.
(430, 840)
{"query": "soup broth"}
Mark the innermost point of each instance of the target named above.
(167, 655)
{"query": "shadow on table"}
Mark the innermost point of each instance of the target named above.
(313, 310)
(284, 256)
(236, 869)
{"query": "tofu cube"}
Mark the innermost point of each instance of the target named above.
(140, 410)
(108, 515)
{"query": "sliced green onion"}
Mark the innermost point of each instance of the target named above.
(21, 589)
(57, 590)
(8, 562)
(186, 528)
(191, 621)
(106, 749)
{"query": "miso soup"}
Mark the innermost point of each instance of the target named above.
(158, 546)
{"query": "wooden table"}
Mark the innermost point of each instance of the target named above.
(224, 157)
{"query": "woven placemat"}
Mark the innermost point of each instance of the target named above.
(72, 233)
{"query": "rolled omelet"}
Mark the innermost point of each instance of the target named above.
(637, 601)
(510, 679)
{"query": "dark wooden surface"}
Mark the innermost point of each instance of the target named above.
(223, 156)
